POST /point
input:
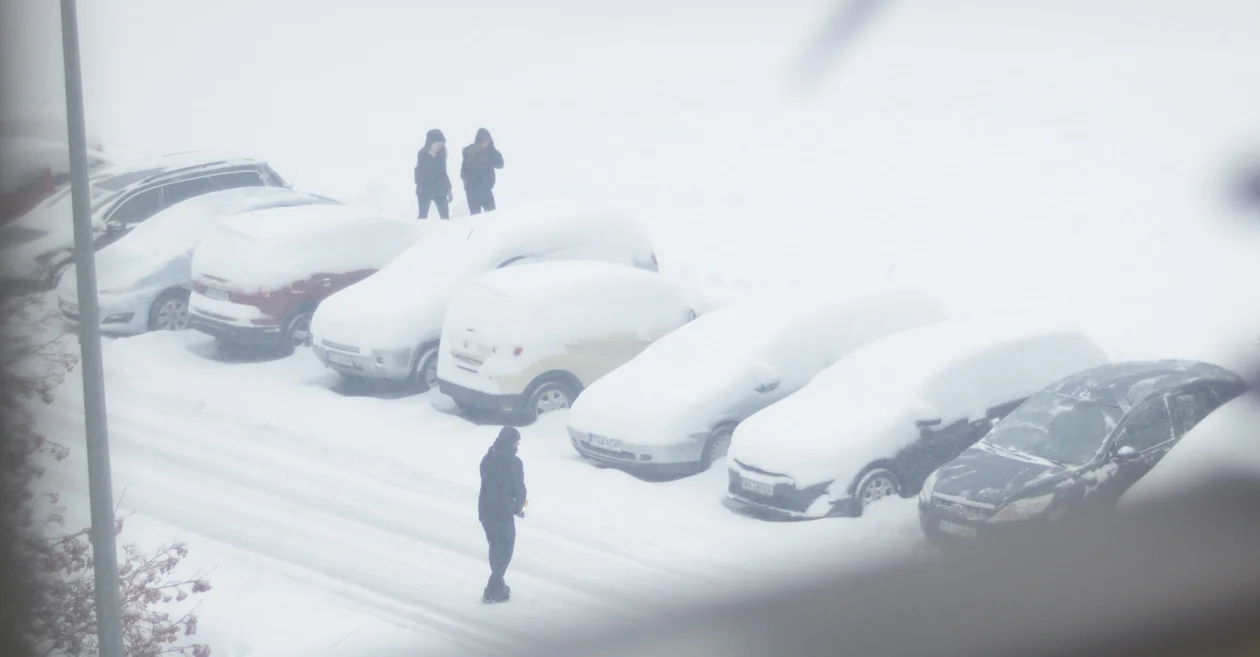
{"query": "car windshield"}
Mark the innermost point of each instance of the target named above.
(1056, 427)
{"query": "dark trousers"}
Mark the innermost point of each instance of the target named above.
(501, 535)
(479, 200)
(444, 208)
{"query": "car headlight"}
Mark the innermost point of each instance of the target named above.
(396, 358)
(1023, 509)
(929, 485)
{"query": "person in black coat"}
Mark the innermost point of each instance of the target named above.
(433, 185)
(481, 158)
(501, 501)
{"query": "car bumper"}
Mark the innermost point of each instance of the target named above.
(482, 401)
(950, 524)
(349, 361)
(779, 496)
(633, 463)
(117, 319)
(246, 336)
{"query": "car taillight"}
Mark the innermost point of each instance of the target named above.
(517, 351)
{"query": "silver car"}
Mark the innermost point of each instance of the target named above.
(143, 280)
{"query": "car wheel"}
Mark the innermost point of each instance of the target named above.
(875, 485)
(424, 374)
(716, 447)
(298, 332)
(169, 311)
(549, 397)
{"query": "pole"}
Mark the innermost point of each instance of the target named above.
(104, 551)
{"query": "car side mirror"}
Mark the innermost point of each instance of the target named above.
(1126, 453)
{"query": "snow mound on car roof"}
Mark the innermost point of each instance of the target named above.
(864, 407)
(272, 248)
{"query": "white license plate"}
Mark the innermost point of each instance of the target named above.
(340, 359)
(212, 293)
(606, 443)
(957, 529)
(757, 487)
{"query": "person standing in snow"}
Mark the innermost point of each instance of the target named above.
(481, 158)
(501, 501)
(433, 185)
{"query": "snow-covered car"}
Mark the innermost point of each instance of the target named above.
(1226, 442)
(879, 421)
(38, 245)
(672, 409)
(387, 328)
(258, 277)
(1086, 438)
(524, 341)
(144, 279)
(34, 169)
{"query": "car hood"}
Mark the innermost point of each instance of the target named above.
(989, 476)
(813, 438)
(656, 403)
(380, 313)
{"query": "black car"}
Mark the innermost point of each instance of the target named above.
(1086, 438)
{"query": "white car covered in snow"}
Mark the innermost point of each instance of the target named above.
(525, 341)
(1226, 442)
(878, 422)
(672, 410)
(144, 279)
(387, 328)
(258, 277)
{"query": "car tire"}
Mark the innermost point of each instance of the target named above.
(547, 397)
(169, 311)
(423, 376)
(716, 446)
(876, 484)
(297, 332)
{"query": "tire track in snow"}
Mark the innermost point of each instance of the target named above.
(421, 486)
(253, 485)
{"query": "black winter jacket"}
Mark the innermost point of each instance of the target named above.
(431, 177)
(477, 169)
(502, 485)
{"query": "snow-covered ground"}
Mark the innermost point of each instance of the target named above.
(1065, 159)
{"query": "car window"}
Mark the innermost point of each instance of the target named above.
(1147, 427)
(1190, 407)
(236, 179)
(186, 189)
(138, 208)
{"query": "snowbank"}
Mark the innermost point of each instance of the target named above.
(710, 370)
(865, 407)
(1225, 442)
(269, 249)
(404, 304)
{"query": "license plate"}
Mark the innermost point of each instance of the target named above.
(340, 359)
(212, 293)
(757, 487)
(606, 443)
(957, 529)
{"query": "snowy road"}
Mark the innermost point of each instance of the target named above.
(380, 516)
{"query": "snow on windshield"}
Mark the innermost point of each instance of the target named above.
(1053, 426)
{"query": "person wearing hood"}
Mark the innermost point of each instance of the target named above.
(433, 185)
(501, 501)
(481, 158)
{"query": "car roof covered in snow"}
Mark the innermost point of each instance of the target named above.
(534, 282)
(171, 165)
(1128, 384)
